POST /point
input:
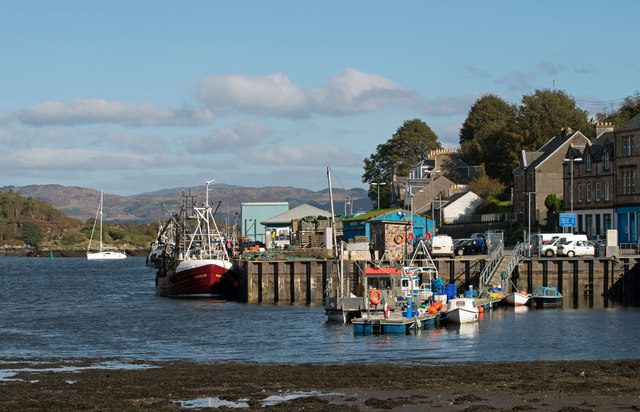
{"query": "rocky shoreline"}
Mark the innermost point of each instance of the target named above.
(35, 384)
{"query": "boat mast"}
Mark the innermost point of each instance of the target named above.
(337, 254)
(101, 200)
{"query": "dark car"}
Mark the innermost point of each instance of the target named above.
(468, 247)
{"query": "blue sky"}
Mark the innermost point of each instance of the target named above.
(137, 96)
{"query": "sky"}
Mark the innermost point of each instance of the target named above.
(137, 96)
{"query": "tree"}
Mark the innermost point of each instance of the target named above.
(552, 203)
(484, 186)
(543, 114)
(31, 234)
(629, 109)
(489, 137)
(409, 145)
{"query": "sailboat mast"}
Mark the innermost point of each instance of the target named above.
(101, 200)
(337, 254)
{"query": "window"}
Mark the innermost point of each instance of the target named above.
(588, 162)
(579, 193)
(597, 191)
(624, 145)
(632, 177)
(632, 145)
(606, 190)
(588, 192)
(606, 160)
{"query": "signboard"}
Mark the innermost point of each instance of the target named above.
(567, 219)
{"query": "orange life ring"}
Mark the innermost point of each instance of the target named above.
(410, 236)
(375, 296)
(398, 238)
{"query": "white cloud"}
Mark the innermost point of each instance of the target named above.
(148, 143)
(306, 156)
(83, 159)
(350, 92)
(89, 111)
(243, 133)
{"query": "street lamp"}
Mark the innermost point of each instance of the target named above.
(571, 160)
(378, 184)
(529, 219)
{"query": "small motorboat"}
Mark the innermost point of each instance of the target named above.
(546, 297)
(461, 310)
(521, 298)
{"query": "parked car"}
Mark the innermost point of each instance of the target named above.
(468, 247)
(551, 248)
(460, 241)
(441, 245)
(476, 235)
(577, 248)
(598, 240)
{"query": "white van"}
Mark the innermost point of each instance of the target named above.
(551, 249)
(441, 246)
(539, 240)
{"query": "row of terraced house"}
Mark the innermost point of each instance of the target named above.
(596, 179)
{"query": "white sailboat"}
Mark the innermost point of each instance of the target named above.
(109, 253)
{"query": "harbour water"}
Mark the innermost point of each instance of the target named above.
(77, 308)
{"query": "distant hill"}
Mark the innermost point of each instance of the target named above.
(82, 203)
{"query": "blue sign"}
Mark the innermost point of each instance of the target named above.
(567, 219)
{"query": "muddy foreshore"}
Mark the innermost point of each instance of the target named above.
(38, 384)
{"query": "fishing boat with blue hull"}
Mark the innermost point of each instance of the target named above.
(547, 297)
(380, 325)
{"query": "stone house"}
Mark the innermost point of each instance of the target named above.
(539, 174)
(593, 182)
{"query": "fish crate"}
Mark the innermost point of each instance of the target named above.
(307, 226)
(317, 239)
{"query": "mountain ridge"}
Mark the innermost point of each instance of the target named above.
(82, 203)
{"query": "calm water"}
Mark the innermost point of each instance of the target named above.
(73, 307)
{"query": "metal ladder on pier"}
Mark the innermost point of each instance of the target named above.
(504, 267)
(517, 255)
(495, 258)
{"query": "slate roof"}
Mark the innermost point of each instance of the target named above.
(633, 124)
(295, 213)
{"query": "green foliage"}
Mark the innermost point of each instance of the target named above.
(489, 205)
(73, 238)
(495, 132)
(515, 235)
(484, 186)
(488, 135)
(31, 234)
(543, 114)
(629, 109)
(552, 203)
(409, 145)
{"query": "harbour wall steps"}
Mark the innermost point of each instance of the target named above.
(304, 282)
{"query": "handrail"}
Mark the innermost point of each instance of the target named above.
(492, 263)
(516, 257)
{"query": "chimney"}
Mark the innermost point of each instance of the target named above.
(602, 127)
(566, 132)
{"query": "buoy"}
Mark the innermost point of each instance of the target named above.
(432, 310)
(480, 309)
(437, 305)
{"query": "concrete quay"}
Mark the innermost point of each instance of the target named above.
(303, 282)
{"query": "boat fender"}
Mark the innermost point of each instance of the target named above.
(432, 310)
(398, 238)
(375, 296)
(386, 310)
(480, 309)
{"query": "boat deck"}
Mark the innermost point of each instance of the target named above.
(379, 325)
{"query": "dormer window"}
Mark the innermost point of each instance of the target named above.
(588, 162)
(606, 160)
